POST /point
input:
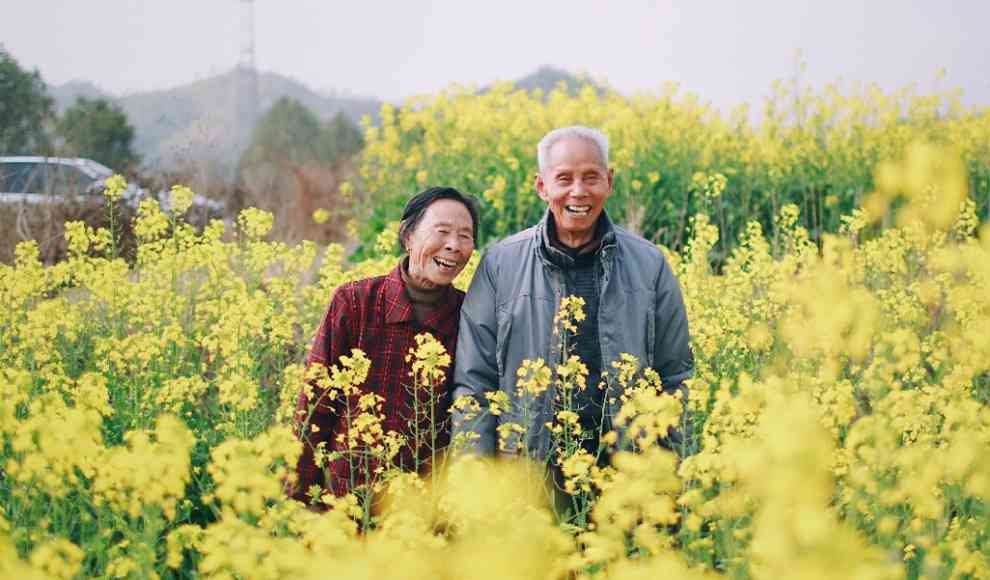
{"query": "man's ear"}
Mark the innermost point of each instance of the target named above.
(611, 177)
(538, 185)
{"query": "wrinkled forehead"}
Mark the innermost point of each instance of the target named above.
(574, 150)
(447, 212)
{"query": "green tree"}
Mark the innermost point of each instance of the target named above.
(341, 138)
(290, 134)
(25, 109)
(97, 129)
(287, 135)
(294, 165)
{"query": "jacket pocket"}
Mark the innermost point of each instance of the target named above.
(503, 317)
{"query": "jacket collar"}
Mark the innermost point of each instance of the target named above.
(562, 259)
(399, 308)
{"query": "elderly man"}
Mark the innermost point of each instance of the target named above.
(633, 304)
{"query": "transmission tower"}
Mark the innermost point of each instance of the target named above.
(246, 77)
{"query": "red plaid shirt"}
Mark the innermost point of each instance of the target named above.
(376, 316)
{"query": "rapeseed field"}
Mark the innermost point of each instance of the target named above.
(836, 270)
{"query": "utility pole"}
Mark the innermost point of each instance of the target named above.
(246, 78)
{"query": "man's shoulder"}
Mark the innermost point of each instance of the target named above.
(642, 256)
(636, 243)
(514, 244)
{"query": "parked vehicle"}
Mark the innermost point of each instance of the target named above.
(57, 180)
(63, 180)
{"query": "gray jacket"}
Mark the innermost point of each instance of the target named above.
(508, 313)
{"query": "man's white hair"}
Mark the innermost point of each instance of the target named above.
(587, 133)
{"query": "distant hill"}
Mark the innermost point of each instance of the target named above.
(548, 78)
(197, 122)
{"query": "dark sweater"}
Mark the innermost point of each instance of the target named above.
(582, 275)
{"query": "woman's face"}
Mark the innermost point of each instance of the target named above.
(441, 244)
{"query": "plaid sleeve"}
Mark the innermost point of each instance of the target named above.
(332, 339)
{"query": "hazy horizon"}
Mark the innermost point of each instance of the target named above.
(727, 54)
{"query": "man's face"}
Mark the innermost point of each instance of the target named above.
(575, 184)
(441, 244)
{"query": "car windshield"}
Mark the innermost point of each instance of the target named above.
(20, 177)
(97, 170)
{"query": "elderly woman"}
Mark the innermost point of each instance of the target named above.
(382, 316)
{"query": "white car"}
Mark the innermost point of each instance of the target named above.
(41, 180)
(64, 180)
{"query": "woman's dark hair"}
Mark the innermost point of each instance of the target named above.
(416, 207)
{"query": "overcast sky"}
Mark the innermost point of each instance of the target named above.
(728, 52)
